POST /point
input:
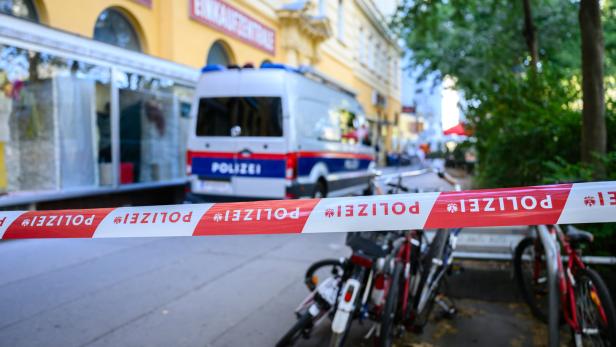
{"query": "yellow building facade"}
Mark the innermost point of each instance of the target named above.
(347, 40)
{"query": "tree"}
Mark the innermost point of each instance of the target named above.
(594, 133)
(530, 34)
(523, 113)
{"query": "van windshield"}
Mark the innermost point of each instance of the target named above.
(240, 116)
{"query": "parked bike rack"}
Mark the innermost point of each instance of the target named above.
(551, 257)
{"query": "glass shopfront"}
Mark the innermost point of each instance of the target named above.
(151, 135)
(57, 124)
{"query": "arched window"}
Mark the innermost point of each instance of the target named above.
(19, 8)
(219, 55)
(114, 28)
(340, 20)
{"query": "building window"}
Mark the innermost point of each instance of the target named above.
(369, 49)
(360, 39)
(322, 8)
(114, 28)
(19, 8)
(375, 59)
(340, 20)
(219, 55)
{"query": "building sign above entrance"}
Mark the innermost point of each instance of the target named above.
(232, 21)
(146, 3)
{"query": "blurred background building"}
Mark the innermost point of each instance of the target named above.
(96, 94)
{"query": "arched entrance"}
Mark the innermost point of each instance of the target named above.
(20, 8)
(113, 27)
(219, 54)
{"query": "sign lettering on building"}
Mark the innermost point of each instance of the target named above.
(146, 3)
(224, 17)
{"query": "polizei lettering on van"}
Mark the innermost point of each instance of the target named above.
(236, 168)
(257, 214)
(58, 220)
(501, 204)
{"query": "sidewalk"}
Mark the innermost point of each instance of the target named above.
(490, 312)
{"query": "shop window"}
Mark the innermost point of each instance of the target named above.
(19, 8)
(114, 28)
(54, 121)
(183, 96)
(149, 128)
(218, 55)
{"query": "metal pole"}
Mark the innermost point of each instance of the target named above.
(551, 258)
(115, 128)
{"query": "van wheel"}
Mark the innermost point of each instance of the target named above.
(320, 191)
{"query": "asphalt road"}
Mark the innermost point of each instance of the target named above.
(214, 291)
(210, 291)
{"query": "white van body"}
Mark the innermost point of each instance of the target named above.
(274, 132)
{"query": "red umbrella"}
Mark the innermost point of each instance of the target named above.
(457, 130)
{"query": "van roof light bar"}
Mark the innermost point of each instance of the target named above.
(280, 66)
(315, 75)
(213, 67)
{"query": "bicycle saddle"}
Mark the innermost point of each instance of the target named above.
(367, 246)
(578, 236)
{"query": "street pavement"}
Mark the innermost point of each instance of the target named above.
(208, 291)
(212, 291)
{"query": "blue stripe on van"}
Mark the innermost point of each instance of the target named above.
(334, 165)
(223, 167)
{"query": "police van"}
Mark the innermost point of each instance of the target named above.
(276, 132)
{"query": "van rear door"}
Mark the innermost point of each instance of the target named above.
(244, 146)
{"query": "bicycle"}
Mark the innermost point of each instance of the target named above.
(365, 291)
(423, 269)
(315, 307)
(389, 284)
(586, 304)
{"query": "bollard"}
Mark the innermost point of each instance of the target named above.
(552, 259)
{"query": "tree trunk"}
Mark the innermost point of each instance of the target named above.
(530, 34)
(594, 135)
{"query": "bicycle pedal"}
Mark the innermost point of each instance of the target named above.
(448, 310)
(400, 331)
(306, 333)
(374, 329)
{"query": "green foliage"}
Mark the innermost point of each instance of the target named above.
(527, 124)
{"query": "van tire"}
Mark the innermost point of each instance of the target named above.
(320, 189)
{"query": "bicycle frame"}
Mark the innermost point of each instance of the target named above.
(566, 282)
(439, 268)
(403, 255)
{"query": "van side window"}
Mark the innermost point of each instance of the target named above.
(317, 122)
(248, 116)
(348, 126)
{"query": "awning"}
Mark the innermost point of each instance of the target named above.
(457, 130)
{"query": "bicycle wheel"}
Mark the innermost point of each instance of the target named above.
(435, 251)
(595, 309)
(311, 280)
(303, 323)
(388, 316)
(531, 276)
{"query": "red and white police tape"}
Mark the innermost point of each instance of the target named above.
(553, 204)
